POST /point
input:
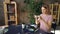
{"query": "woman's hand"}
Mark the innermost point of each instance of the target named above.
(36, 19)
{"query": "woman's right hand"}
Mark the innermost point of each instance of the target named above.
(35, 16)
(36, 19)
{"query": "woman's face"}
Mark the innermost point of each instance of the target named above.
(44, 10)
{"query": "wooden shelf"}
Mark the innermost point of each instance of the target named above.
(55, 11)
(10, 12)
(11, 20)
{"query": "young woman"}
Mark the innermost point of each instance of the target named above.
(45, 20)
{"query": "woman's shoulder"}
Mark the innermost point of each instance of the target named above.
(40, 14)
(50, 16)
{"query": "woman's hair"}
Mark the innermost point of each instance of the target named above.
(46, 7)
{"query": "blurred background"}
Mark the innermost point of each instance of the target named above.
(26, 9)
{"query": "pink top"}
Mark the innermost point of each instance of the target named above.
(46, 18)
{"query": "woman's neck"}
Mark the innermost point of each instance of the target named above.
(45, 14)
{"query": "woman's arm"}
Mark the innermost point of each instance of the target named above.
(48, 24)
(36, 19)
